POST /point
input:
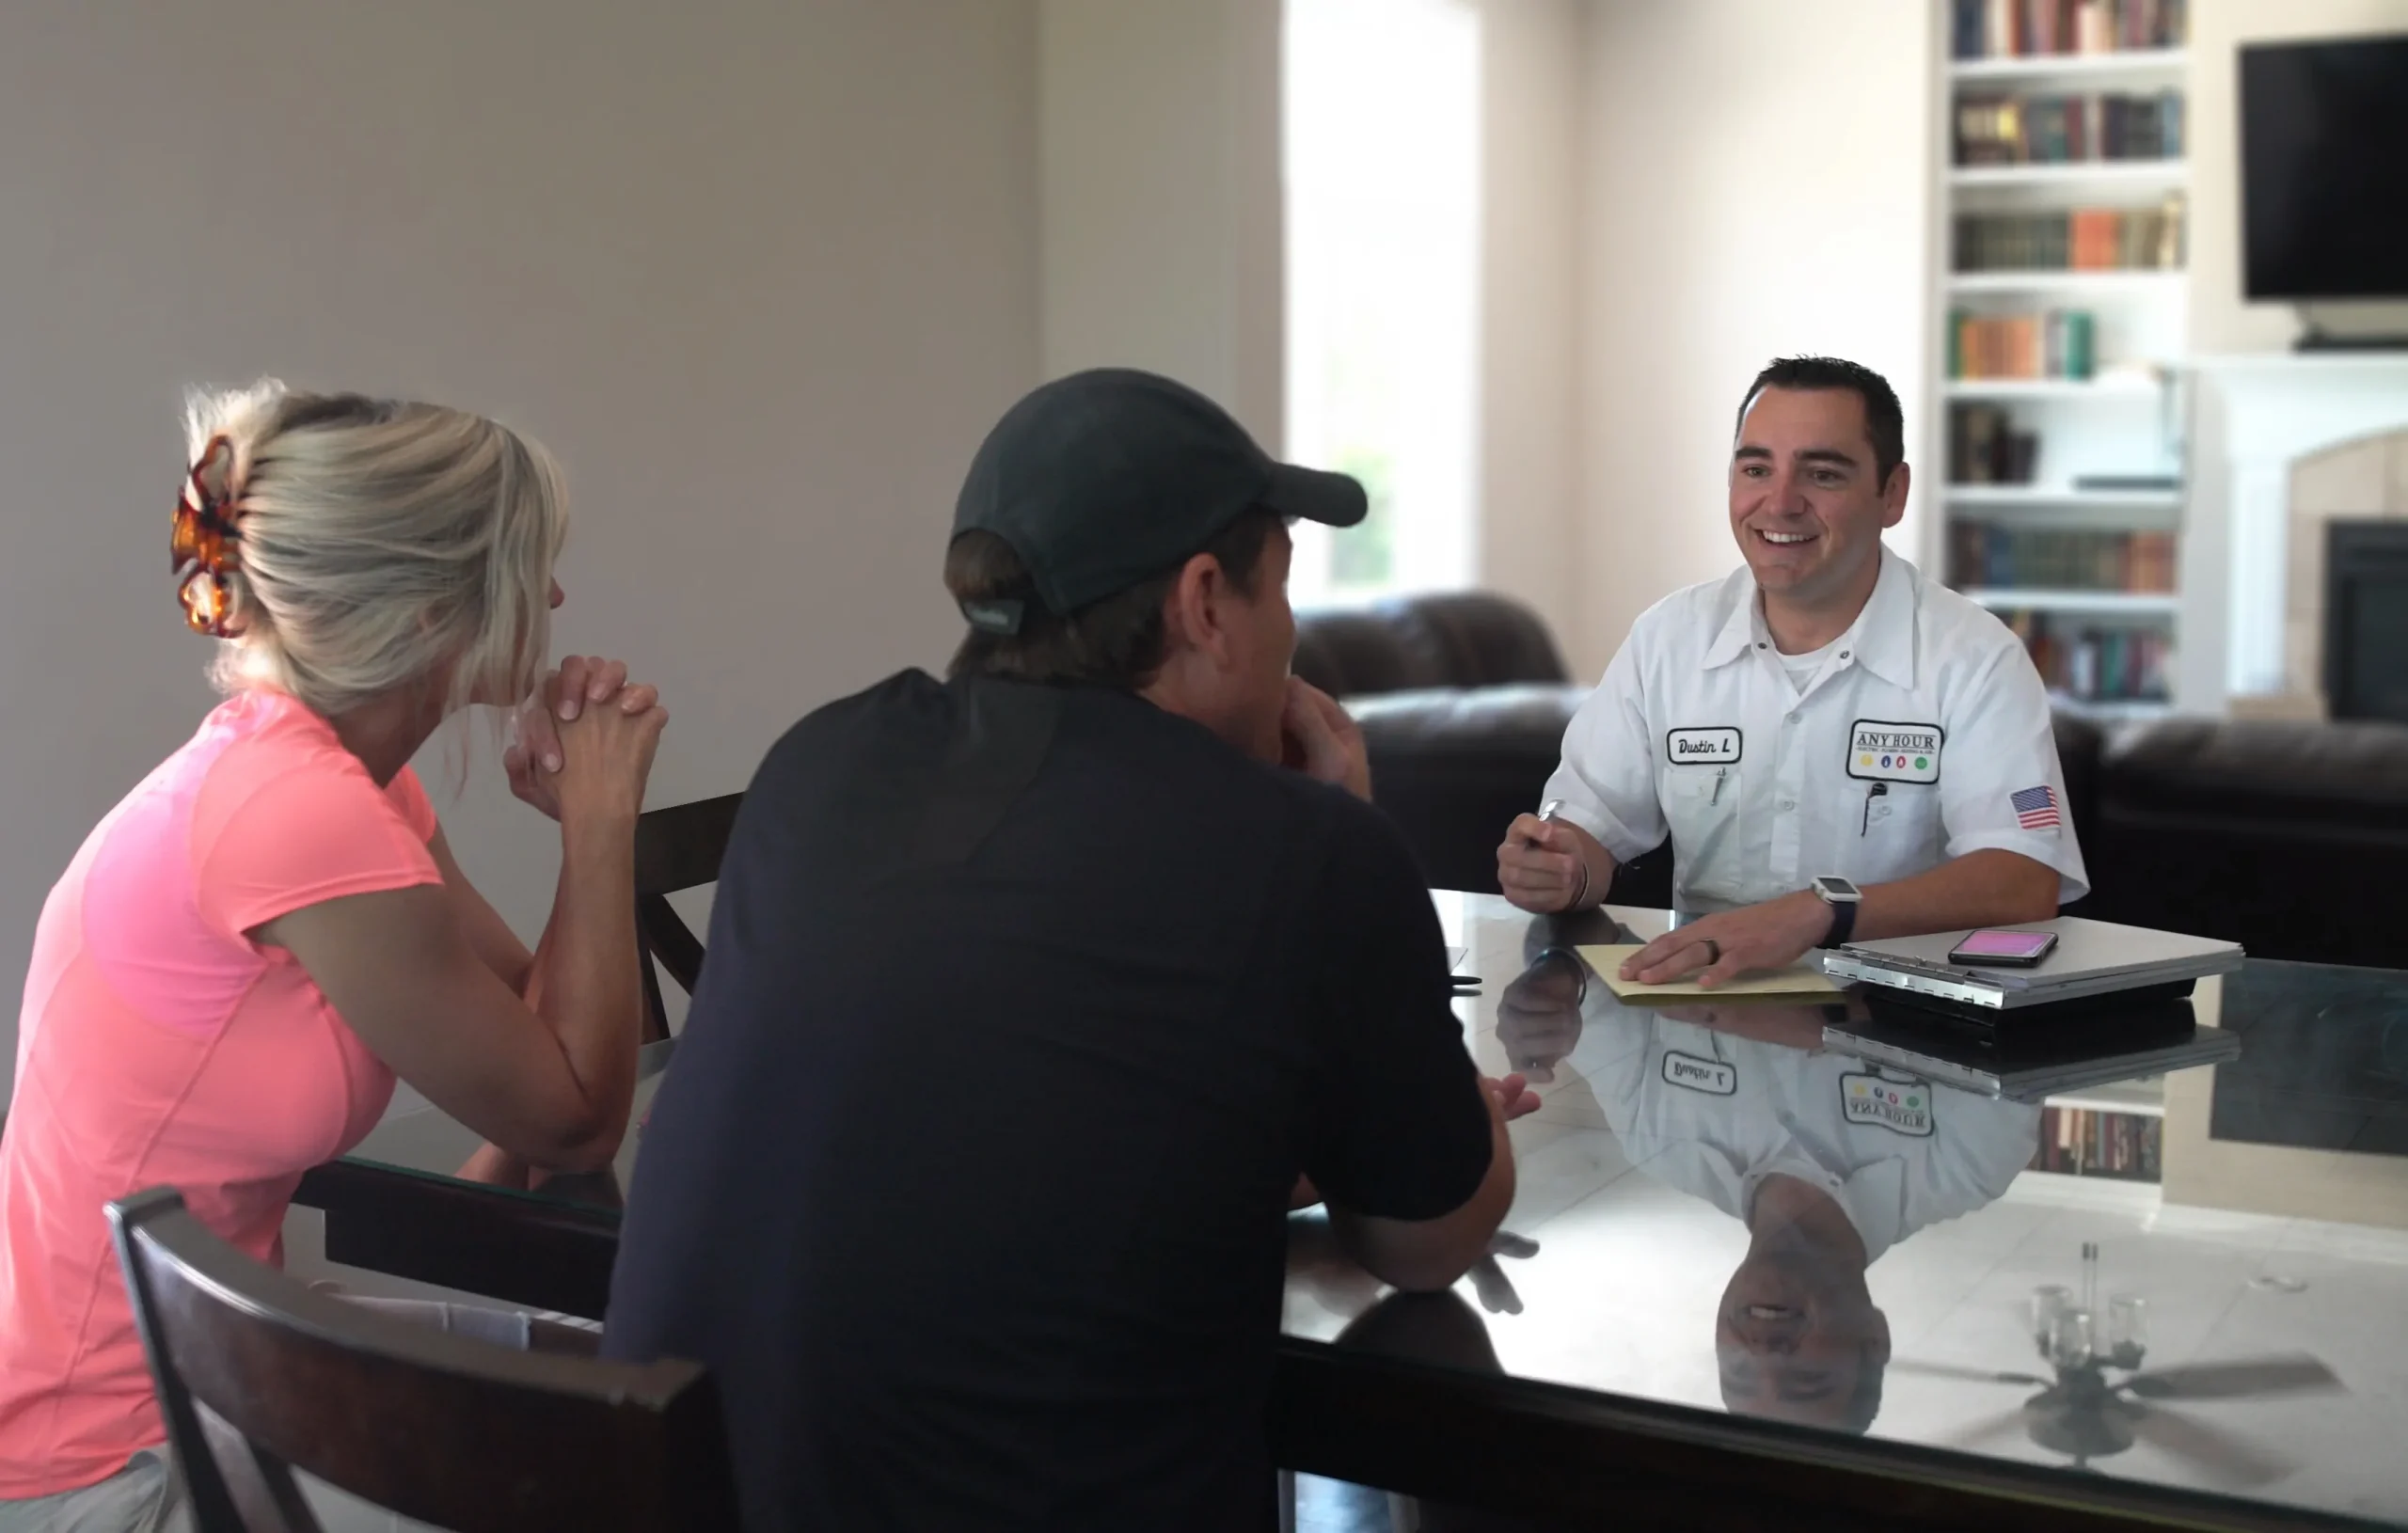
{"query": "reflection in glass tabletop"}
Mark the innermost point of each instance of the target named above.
(1717, 1212)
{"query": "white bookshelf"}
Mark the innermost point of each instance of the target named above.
(2124, 421)
(2040, 599)
(2110, 175)
(2110, 386)
(2067, 284)
(1996, 498)
(2144, 1097)
(2134, 67)
(2122, 711)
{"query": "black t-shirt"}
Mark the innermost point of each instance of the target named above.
(1024, 1008)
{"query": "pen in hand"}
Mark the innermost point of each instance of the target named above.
(1550, 813)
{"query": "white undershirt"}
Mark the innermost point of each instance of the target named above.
(1804, 668)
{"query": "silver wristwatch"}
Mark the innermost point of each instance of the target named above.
(1843, 897)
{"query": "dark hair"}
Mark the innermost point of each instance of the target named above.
(1864, 1402)
(1884, 422)
(1116, 641)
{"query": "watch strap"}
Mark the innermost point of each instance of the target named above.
(1843, 922)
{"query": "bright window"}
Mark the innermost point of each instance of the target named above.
(1381, 103)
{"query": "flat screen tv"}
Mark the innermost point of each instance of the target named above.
(2324, 168)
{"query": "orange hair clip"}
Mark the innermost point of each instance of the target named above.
(205, 541)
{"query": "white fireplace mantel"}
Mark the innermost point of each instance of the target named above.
(2251, 416)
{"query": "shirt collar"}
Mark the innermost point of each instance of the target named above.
(1885, 630)
(1743, 626)
(1882, 638)
(1873, 1197)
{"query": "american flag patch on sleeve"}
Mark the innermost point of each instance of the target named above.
(2035, 809)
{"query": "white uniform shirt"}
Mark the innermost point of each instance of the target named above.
(1924, 736)
(1714, 1115)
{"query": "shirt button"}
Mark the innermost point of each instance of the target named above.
(1843, 654)
(1789, 803)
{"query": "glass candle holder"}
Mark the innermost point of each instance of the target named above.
(2127, 1329)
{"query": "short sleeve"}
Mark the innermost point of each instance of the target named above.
(1607, 779)
(314, 830)
(1616, 1044)
(407, 796)
(2002, 786)
(1400, 1128)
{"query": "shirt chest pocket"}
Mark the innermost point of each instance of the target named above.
(1901, 818)
(1700, 803)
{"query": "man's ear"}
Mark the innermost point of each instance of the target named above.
(1195, 613)
(1894, 497)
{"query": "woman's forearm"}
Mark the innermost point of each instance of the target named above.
(585, 981)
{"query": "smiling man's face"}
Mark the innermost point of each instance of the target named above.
(1797, 1336)
(1807, 503)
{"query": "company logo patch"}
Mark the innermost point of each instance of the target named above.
(1711, 1076)
(1879, 750)
(1713, 746)
(1903, 1107)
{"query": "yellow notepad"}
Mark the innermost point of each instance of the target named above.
(1798, 979)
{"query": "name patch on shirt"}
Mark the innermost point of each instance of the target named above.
(1690, 1073)
(1903, 1107)
(1880, 751)
(1714, 747)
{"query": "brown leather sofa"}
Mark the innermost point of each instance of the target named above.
(2289, 838)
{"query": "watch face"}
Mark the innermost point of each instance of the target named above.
(1837, 888)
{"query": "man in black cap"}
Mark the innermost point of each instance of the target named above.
(1032, 996)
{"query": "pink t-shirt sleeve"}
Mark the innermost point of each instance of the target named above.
(408, 794)
(305, 831)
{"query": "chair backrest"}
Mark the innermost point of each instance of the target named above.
(258, 1376)
(678, 847)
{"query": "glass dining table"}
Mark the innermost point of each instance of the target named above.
(1748, 1278)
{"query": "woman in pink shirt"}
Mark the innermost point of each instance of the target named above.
(269, 928)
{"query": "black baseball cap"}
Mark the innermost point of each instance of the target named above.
(1106, 478)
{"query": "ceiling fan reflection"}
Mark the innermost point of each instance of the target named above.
(2100, 1401)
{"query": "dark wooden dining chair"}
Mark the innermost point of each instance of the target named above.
(257, 1376)
(678, 847)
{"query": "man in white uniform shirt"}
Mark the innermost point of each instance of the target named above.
(1839, 748)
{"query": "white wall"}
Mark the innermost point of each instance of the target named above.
(1757, 184)
(1160, 215)
(2221, 320)
(762, 276)
(1533, 405)
(1159, 191)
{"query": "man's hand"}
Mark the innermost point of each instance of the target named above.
(1489, 1281)
(533, 754)
(1539, 866)
(1538, 1017)
(1514, 1098)
(1323, 741)
(1768, 936)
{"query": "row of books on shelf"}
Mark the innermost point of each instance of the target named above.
(2081, 239)
(2069, 129)
(2049, 343)
(2082, 1142)
(2093, 664)
(1986, 447)
(2060, 559)
(2028, 28)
